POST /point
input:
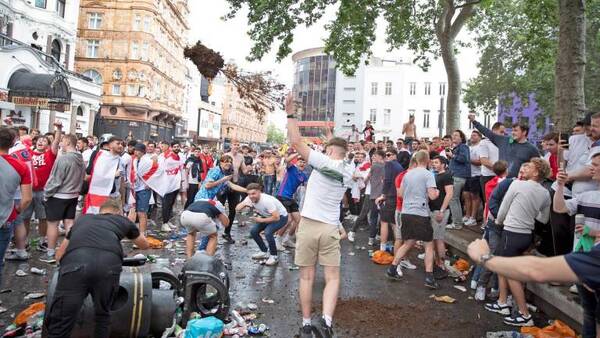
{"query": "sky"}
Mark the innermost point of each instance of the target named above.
(230, 38)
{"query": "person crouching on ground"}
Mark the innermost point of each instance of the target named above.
(91, 260)
(271, 217)
(203, 217)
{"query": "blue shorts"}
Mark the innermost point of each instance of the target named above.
(142, 200)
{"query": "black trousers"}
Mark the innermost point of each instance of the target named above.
(233, 198)
(84, 272)
(167, 205)
(191, 193)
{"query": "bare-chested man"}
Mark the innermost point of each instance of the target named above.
(234, 197)
(409, 129)
(269, 168)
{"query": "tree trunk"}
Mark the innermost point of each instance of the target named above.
(454, 86)
(569, 97)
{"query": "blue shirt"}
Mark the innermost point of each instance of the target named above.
(213, 175)
(291, 181)
(586, 265)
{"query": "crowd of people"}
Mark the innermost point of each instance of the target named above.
(407, 193)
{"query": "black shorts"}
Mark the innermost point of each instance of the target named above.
(514, 244)
(388, 210)
(58, 209)
(289, 204)
(473, 185)
(416, 228)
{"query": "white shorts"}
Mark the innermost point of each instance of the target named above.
(198, 222)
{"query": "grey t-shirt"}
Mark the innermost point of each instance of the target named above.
(415, 185)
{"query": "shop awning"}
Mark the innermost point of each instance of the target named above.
(46, 91)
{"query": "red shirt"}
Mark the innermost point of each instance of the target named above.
(489, 189)
(23, 172)
(398, 182)
(207, 163)
(553, 165)
(42, 165)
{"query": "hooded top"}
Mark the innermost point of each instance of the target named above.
(66, 177)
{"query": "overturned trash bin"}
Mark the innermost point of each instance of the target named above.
(205, 287)
(138, 310)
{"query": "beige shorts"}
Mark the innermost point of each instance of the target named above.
(317, 241)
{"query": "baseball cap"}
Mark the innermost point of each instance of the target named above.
(140, 147)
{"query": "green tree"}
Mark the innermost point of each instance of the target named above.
(427, 27)
(519, 49)
(275, 135)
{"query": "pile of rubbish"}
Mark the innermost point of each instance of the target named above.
(28, 323)
(556, 329)
(242, 323)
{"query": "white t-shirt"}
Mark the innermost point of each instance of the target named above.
(86, 154)
(579, 156)
(326, 186)
(266, 205)
(488, 150)
(190, 178)
(474, 152)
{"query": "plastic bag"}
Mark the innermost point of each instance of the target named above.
(206, 327)
(382, 257)
(24, 315)
(557, 329)
(154, 243)
(461, 265)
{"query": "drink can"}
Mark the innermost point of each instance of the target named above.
(579, 220)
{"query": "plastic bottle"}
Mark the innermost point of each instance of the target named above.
(389, 247)
(238, 318)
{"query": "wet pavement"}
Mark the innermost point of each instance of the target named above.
(370, 305)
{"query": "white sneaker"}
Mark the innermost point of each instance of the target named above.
(61, 230)
(473, 284)
(480, 293)
(405, 263)
(421, 256)
(260, 255)
(465, 218)
(165, 228)
(471, 222)
(371, 241)
(573, 289)
(399, 269)
(453, 226)
(273, 260)
(351, 235)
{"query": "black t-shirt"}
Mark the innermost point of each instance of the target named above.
(204, 207)
(103, 232)
(441, 181)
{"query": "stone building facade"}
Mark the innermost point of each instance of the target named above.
(240, 122)
(134, 49)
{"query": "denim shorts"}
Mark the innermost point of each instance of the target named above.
(142, 200)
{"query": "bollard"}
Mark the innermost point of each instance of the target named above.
(140, 308)
(205, 287)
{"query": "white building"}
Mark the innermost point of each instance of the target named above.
(191, 101)
(37, 44)
(387, 92)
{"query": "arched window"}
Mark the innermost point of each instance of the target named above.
(79, 111)
(94, 75)
(55, 50)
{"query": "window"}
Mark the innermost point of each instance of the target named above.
(145, 47)
(40, 3)
(94, 20)
(142, 91)
(411, 112)
(487, 120)
(427, 88)
(387, 117)
(425, 118)
(373, 88)
(116, 89)
(92, 48)
(412, 88)
(373, 115)
(442, 88)
(388, 88)
(55, 50)
(94, 75)
(137, 21)
(134, 50)
(60, 8)
(349, 101)
(146, 24)
(79, 111)
(132, 90)
(349, 89)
